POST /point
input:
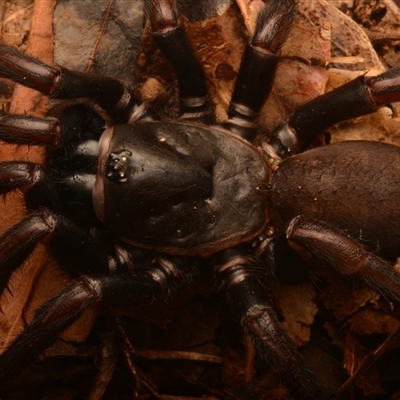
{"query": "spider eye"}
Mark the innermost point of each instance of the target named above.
(117, 165)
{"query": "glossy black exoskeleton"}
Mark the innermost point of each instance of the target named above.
(181, 179)
(188, 190)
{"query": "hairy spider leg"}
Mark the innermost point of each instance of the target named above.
(19, 241)
(75, 128)
(146, 278)
(238, 270)
(65, 122)
(76, 251)
(258, 67)
(361, 96)
(241, 275)
(71, 141)
(319, 242)
(171, 39)
(62, 83)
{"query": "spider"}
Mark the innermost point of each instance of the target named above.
(132, 209)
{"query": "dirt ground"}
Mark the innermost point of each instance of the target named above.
(192, 346)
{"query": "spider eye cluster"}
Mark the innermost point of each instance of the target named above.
(117, 164)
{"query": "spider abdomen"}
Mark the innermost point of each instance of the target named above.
(348, 184)
(180, 188)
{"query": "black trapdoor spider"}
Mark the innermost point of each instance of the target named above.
(130, 209)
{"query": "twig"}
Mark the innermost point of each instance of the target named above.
(177, 355)
(100, 35)
(128, 351)
(390, 343)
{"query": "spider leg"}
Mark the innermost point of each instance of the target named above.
(240, 275)
(79, 119)
(19, 241)
(172, 41)
(119, 290)
(31, 179)
(258, 67)
(71, 138)
(61, 83)
(75, 251)
(18, 129)
(317, 241)
(361, 96)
